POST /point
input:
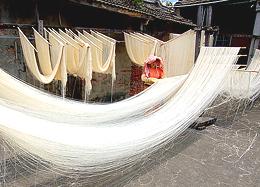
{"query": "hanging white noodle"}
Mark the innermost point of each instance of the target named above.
(44, 60)
(28, 97)
(138, 48)
(245, 83)
(178, 54)
(82, 61)
(113, 145)
(108, 53)
(54, 52)
(85, 69)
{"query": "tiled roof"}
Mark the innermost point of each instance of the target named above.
(195, 2)
(151, 8)
(198, 2)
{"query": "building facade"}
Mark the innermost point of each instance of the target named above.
(231, 21)
(110, 17)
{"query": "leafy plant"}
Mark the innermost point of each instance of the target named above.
(168, 3)
(137, 2)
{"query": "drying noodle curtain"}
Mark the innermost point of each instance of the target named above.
(139, 48)
(178, 54)
(29, 50)
(67, 52)
(157, 42)
(94, 147)
(107, 65)
(99, 65)
(73, 53)
(85, 61)
(238, 84)
(255, 62)
(42, 46)
(55, 57)
(81, 60)
(245, 83)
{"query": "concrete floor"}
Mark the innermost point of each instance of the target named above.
(225, 154)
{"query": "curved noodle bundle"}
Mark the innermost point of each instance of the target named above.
(90, 148)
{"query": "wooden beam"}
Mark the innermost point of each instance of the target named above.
(209, 16)
(256, 33)
(200, 15)
(208, 24)
(38, 20)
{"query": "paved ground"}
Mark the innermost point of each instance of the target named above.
(225, 154)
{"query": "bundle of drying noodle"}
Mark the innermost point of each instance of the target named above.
(27, 97)
(104, 62)
(62, 71)
(91, 147)
(245, 83)
(66, 52)
(139, 48)
(48, 66)
(178, 54)
(81, 64)
(102, 53)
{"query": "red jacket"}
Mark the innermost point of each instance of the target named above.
(153, 67)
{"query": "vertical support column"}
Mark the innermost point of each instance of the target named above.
(142, 27)
(39, 22)
(200, 16)
(40, 29)
(60, 12)
(256, 33)
(208, 24)
(178, 11)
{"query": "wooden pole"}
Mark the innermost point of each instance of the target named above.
(200, 16)
(208, 24)
(256, 33)
(38, 20)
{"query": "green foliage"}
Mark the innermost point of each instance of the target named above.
(168, 3)
(137, 2)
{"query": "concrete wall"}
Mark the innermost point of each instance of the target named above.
(12, 61)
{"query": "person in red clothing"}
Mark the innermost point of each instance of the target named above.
(153, 70)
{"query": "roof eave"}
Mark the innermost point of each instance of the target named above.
(179, 5)
(130, 12)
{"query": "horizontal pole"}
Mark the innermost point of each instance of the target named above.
(16, 25)
(13, 37)
(249, 71)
